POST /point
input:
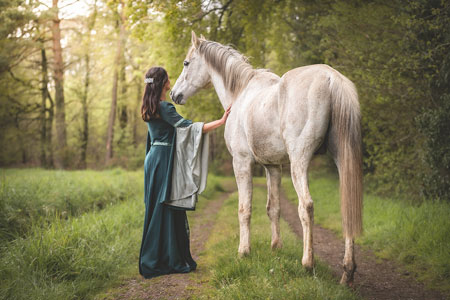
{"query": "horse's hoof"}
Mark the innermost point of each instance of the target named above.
(308, 264)
(243, 253)
(277, 244)
(346, 280)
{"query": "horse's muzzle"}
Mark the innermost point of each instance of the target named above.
(176, 98)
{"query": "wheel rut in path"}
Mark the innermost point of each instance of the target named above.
(175, 286)
(373, 280)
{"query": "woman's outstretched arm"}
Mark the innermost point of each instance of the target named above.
(217, 123)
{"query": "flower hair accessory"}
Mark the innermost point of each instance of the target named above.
(148, 80)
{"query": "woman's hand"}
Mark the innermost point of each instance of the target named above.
(214, 124)
(225, 115)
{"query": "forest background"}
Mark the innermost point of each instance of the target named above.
(71, 77)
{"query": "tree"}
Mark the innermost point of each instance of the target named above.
(58, 70)
(46, 156)
(84, 97)
(117, 64)
(18, 109)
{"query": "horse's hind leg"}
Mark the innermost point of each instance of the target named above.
(349, 262)
(299, 173)
(273, 174)
(243, 172)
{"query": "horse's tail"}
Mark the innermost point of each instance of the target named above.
(346, 141)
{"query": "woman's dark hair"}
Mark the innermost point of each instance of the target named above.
(152, 94)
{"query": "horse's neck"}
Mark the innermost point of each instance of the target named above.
(224, 95)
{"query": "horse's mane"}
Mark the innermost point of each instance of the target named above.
(228, 62)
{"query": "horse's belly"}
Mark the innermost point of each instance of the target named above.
(270, 150)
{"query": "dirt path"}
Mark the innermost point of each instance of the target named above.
(373, 280)
(174, 286)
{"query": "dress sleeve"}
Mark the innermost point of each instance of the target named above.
(169, 114)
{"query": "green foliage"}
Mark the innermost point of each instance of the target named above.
(391, 50)
(432, 25)
(35, 197)
(15, 17)
(435, 125)
(366, 43)
(395, 52)
(264, 274)
(417, 236)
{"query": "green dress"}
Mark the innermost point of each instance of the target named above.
(165, 241)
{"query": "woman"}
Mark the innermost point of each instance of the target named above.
(165, 241)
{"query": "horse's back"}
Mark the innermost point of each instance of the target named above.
(295, 84)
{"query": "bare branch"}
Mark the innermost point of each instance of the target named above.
(27, 84)
(64, 6)
(222, 9)
(42, 3)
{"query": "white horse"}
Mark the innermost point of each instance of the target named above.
(276, 120)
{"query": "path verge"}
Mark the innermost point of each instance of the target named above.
(373, 279)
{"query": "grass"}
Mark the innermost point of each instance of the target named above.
(78, 257)
(417, 236)
(29, 197)
(74, 258)
(264, 274)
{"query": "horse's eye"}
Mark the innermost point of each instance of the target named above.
(186, 63)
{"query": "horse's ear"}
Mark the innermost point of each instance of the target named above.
(202, 37)
(194, 39)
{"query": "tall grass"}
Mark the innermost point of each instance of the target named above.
(34, 196)
(265, 274)
(71, 259)
(418, 236)
(78, 257)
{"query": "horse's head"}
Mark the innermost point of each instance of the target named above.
(194, 76)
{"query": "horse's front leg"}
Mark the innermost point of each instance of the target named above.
(243, 173)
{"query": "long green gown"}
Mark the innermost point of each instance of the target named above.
(165, 241)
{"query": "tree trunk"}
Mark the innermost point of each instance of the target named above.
(137, 108)
(123, 114)
(59, 89)
(20, 133)
(44, 91)
(122, 99)
(84, 108)
(49, 132)
(46, 156)
(112, 115)
(84, 98)
(117, 64)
